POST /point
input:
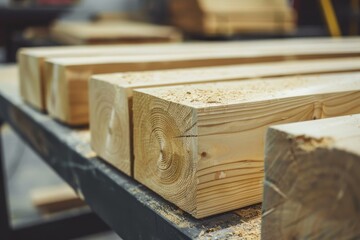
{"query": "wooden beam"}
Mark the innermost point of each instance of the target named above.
(311, 180)
(201, 146)
(220, 24)
(113, 32)
(32, 60)
(110, 100)
(227, 6)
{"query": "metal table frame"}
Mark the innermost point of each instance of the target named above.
(129, 208)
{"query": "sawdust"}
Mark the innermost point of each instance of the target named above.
(310, 144)
(174, 216)
(247, 229)
(202, 96)
(223, 93)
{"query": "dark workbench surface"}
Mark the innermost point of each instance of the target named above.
(129, 208)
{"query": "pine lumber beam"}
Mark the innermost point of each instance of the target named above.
(110, 100)
(227, 6)
(113, 32)
(32, 60)
(219, 25)
(67, 78)
(311, 180)
(201, 146)
(211, 18)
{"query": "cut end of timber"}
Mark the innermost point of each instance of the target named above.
(110, 124)
(164, 160)
(32, 83)
(312, 190)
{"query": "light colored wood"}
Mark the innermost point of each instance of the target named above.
(250, 217)
(32, 60)
(311, 180)
(78, 33)
(67, 78)
(110, 100)
(214, 25)
(55, 199)
(201, 146)
(231, 17)
(227, 6)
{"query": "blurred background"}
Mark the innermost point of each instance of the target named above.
(68, 22)
(26, 23)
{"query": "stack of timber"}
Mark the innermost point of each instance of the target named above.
(32, 60)
(312, 180)
(212, 17)
(201, 146)
(111, 95)
(103, 32)
(67, 78)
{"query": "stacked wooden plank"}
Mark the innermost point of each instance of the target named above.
(211, 17)
(105, 32)
(67, 74)
(32, 61)
(111, 96)
(196, 135)
(312, 180)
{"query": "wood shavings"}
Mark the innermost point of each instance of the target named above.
(310, 144)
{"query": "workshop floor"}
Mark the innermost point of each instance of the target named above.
(22, 170)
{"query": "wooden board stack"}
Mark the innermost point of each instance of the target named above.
(80, 33)
(195, 135)
(32, 60)
(211, 17)
(67, 78)
(111, 96)
(311, 180)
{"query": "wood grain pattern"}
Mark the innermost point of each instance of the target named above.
(201, 146)
(110, 100)
(32, 60)
(311, 180)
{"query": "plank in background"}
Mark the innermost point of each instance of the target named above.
(201, 146)
(230, 17)
(110, 100)
(213, 25)
(312, 180)
(77, 33)
(67, 86)
(32, 60)
(227, 6)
